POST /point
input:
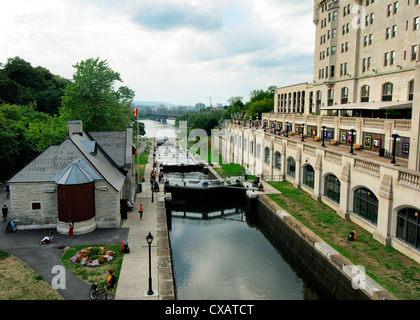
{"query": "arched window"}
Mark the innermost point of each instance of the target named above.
(332, 188)
(387, 90)
(365, 93)
(277, 160)
(267, 155)
(309, 176)
(408, 226)
(365, 204)
(344, 95)
(291, 167)
(411, 90)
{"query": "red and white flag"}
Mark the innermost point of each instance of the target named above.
(136, 112)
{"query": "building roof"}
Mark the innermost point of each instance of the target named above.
(77, 172)
(80, 158)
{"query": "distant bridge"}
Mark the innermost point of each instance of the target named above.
(164, 114)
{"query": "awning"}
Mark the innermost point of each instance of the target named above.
(372, 105)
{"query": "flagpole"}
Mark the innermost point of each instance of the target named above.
(138, 147)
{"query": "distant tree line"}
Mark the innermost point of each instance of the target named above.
(261, 101)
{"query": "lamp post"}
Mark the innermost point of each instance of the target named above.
(323, 129)
(245, 116)
(352, 134)
(149, 240)
(287, 129)
(395, 138)
(303, 131)
(250, 121)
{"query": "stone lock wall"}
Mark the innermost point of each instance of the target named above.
(333, 272)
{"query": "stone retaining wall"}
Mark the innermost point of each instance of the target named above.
(165, 271)
(329, 269)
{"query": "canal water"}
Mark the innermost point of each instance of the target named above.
(219, 255)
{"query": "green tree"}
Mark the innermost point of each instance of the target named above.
(91, 97)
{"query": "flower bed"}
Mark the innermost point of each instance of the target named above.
(93, 256)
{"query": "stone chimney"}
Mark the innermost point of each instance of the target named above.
(74, 127)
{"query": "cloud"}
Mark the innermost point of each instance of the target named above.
(174, 15)
(181, 51)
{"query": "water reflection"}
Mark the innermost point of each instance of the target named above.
(223, 257)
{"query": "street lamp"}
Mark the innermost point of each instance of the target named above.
(245, 116)
(352, 134)
(149, 240)
(324, 130)
(250, 121)
(395, 138)
(287, 129)
(303, 130)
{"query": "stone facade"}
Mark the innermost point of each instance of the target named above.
(394, 187)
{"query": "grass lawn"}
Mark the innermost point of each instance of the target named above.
(18, 281)
(394, 271)
(97, 274)
(141, 160)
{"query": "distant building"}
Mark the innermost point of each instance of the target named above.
(87, 178)
(199, 107)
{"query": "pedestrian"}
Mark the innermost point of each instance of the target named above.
(111, 280)
(352, 235)
(71, 229)
(4, 211)
(141, 211)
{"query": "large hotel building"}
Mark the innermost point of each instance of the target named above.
(350, 136)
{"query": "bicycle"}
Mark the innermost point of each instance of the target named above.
(97, 294)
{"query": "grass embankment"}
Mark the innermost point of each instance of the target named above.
(387, 266)
(20, 282)
(141, 160)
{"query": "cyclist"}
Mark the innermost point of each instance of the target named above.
(111, 280)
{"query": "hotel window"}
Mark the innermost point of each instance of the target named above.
(394, 31)
(365, 204)
(413, 53)
(277, 160)
(344, 95)
(365, 93)
(387, 90)
(387, 33)
(334, 33)
(330, 97)
(386, 59)
(332, 188)
(411, 90)
(416, 23)
(333, 50)
(392, 61)
(267, 155)
(309, 176)
(395, 7)
(389, 10)
(370, 39)
(291, 167)
(408, 226)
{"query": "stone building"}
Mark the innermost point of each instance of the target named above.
(87, 178)
(367, 64)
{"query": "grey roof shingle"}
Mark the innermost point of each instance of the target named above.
(55, 159)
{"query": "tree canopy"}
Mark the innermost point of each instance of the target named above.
(92, 98)
(22, 84)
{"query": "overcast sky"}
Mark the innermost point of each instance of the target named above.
(177, 51)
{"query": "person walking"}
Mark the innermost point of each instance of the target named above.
(4, 212)
(111, 280)
(141, 211)
(71, 229)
